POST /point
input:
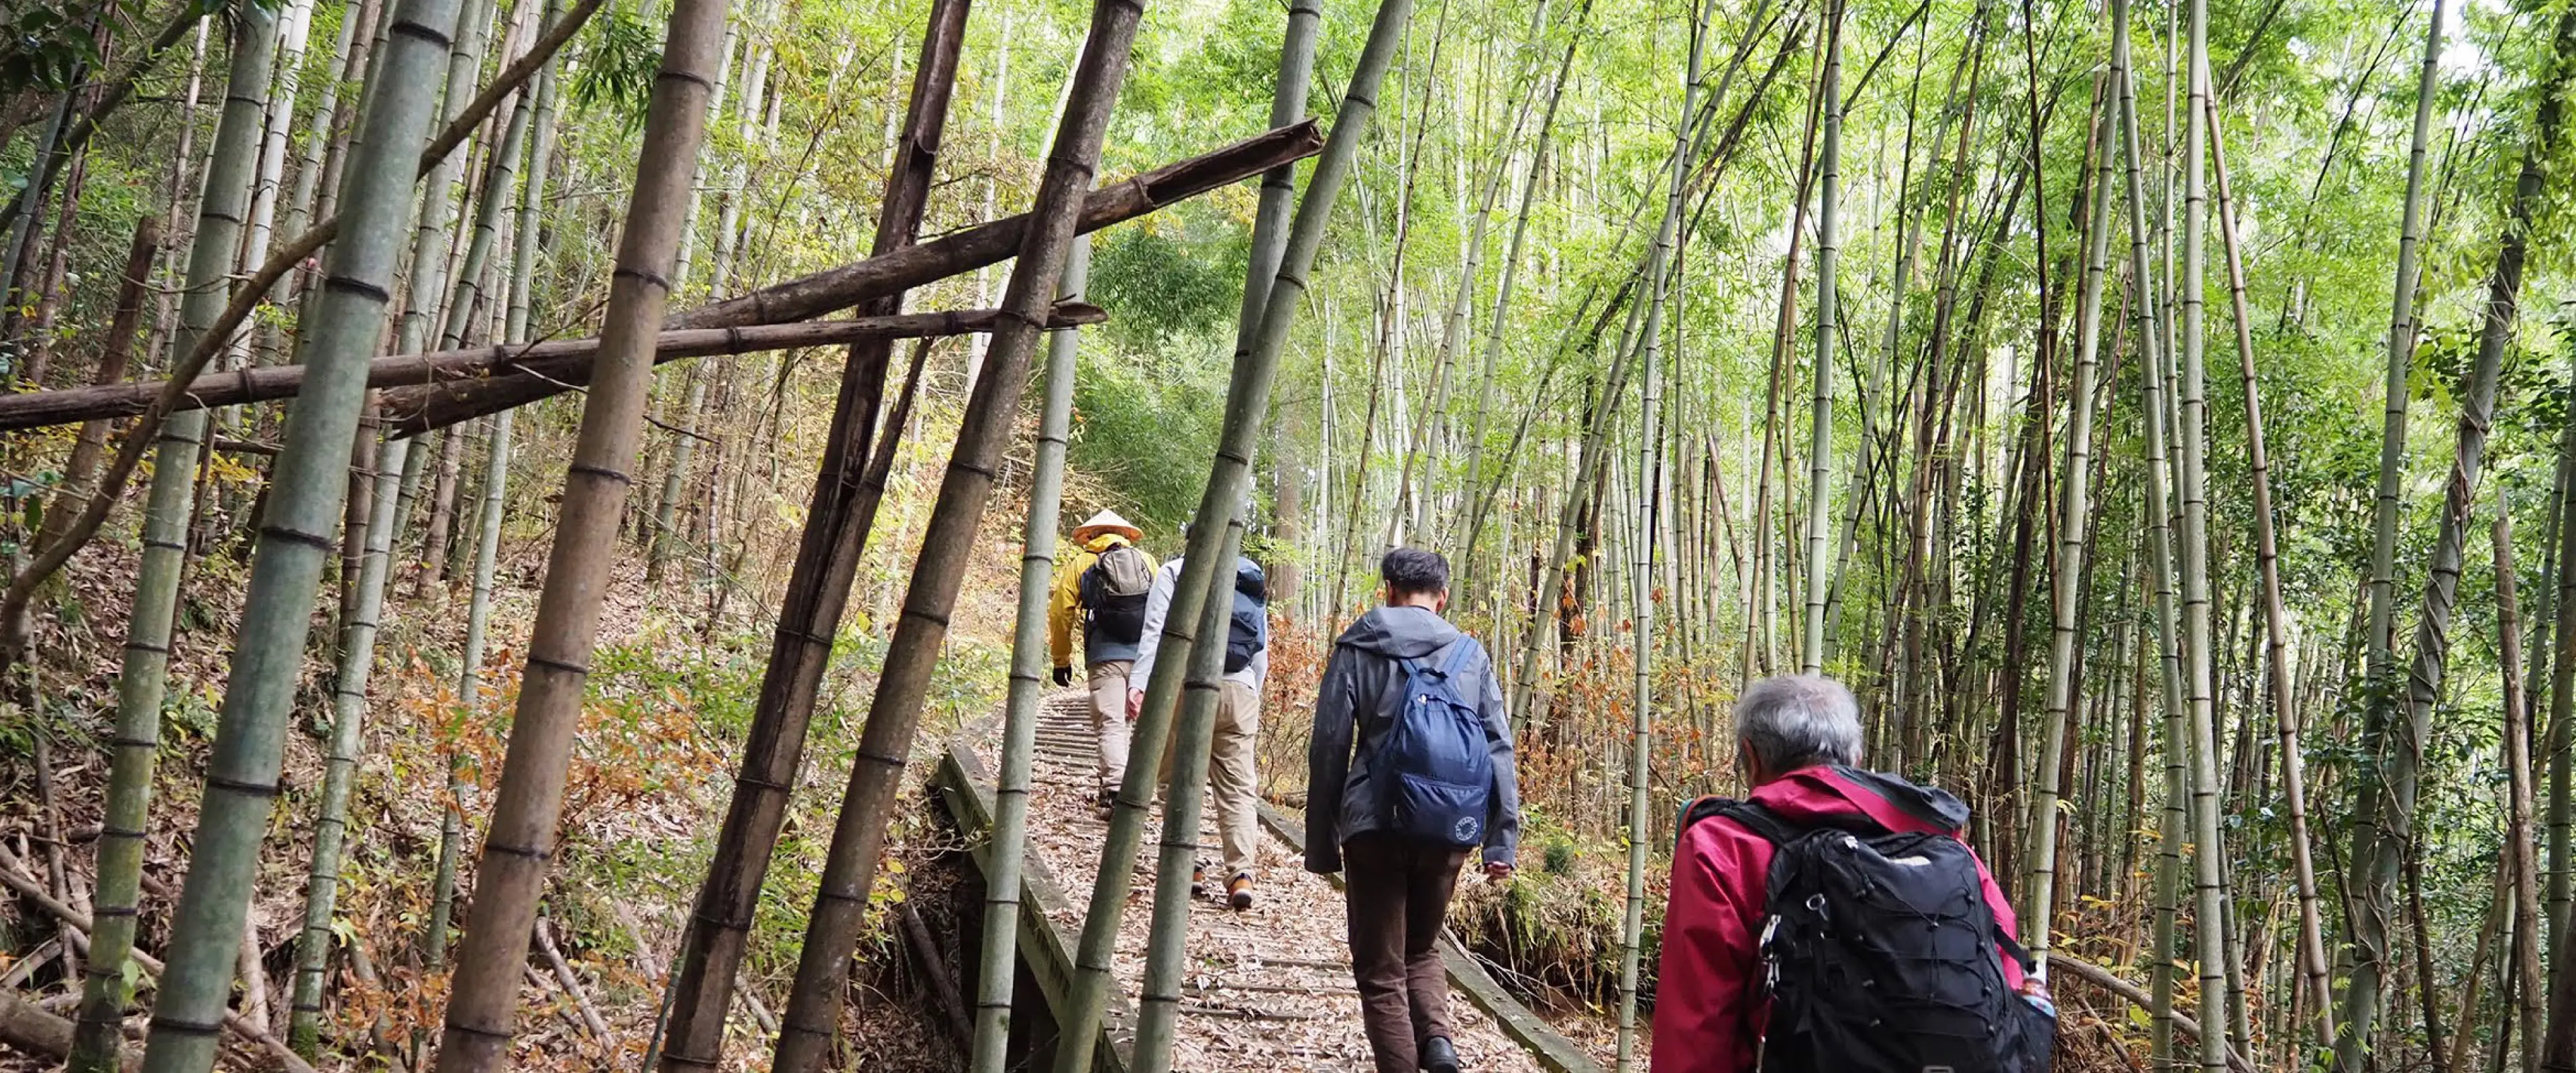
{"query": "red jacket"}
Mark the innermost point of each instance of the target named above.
(1709, 1005)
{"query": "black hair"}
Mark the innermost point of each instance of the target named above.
(1413, 571)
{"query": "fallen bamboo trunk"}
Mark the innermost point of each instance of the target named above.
(2135, 995)
(434, 374)
(903, 269)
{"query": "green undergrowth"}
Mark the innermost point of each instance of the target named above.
(1551, 934)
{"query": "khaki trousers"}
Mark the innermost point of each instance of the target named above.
(1233, 778)
(1109, 719)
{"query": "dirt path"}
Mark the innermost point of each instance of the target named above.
(1268, 988)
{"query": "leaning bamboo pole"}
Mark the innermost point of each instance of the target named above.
(1256, 366)
(307, 483)
(1158, 1007)
(822, 292)
(2075, 507)
(834, 538)
(474, 364)
(143, 676)
(2313, 967)
(894, 713)
(529, 800)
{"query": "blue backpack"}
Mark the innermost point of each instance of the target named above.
(1434, 764)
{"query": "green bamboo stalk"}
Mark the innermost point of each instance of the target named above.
(1820, 441)
(516, 848)
(307, 482)
(2209, 928)
(997, 972)
(848, 490)
(497, 181)
(143, 678)
(429, 262)
(1664, 259)
(1158, 1010)
(2369, 924)
(894, 713)
(2303, 873)
(523, 267)
(1256, 367)
(2145, 316)
(2075, 509)
(348, 717)
(2403, 762)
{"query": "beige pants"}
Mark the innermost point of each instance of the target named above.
(1232, 778)
(1109, 719)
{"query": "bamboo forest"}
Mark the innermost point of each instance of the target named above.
(587, 534)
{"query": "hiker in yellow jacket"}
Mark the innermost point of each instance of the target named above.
(1104, 582)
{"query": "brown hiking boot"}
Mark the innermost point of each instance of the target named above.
(1238, 891)
(1198, 880)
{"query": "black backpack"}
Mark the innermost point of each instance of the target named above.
(1247, 630)
(1879, 953)
(1113, 590)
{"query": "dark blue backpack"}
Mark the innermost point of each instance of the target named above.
(1434, 764)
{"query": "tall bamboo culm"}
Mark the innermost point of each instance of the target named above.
(2369, 926)
(1247, 404)
(1661, 273)
(894, 713)
(496, 484)
(2313, 967)
(169, 506)
(2075, 508)
(511, 869)
(2209, 928)
(1820, 442)
(1158, 1009)
(348, 716)
(2378, 868)
(295, 541)
(827, 557)
(2147, 319)
(997, 971)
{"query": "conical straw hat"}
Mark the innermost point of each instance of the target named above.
(1106, 521)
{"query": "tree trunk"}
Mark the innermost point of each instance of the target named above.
(529, 802)
(834, 538)
(114, 354)
(894, 713)
(1256, 364)
(308, 478)
(2076, 507)
(2523, 847)
(2402, 761)
(2312, 950)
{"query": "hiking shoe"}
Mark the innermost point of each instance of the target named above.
(1198, 880)
(1106, 802)
(1238, 891)
(1439, 1056)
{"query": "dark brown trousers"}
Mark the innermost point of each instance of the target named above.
(1398, 892)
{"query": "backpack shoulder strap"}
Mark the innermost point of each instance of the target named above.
(1462, 652)
(1752, 816)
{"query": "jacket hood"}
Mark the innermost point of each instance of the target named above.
(1104, 542)
(1399, 632)
(1812, 796)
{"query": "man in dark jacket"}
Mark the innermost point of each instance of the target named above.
(1398, 888)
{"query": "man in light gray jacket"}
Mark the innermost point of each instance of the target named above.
(1398, 886)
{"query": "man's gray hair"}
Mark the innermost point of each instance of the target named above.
(1791, 721)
